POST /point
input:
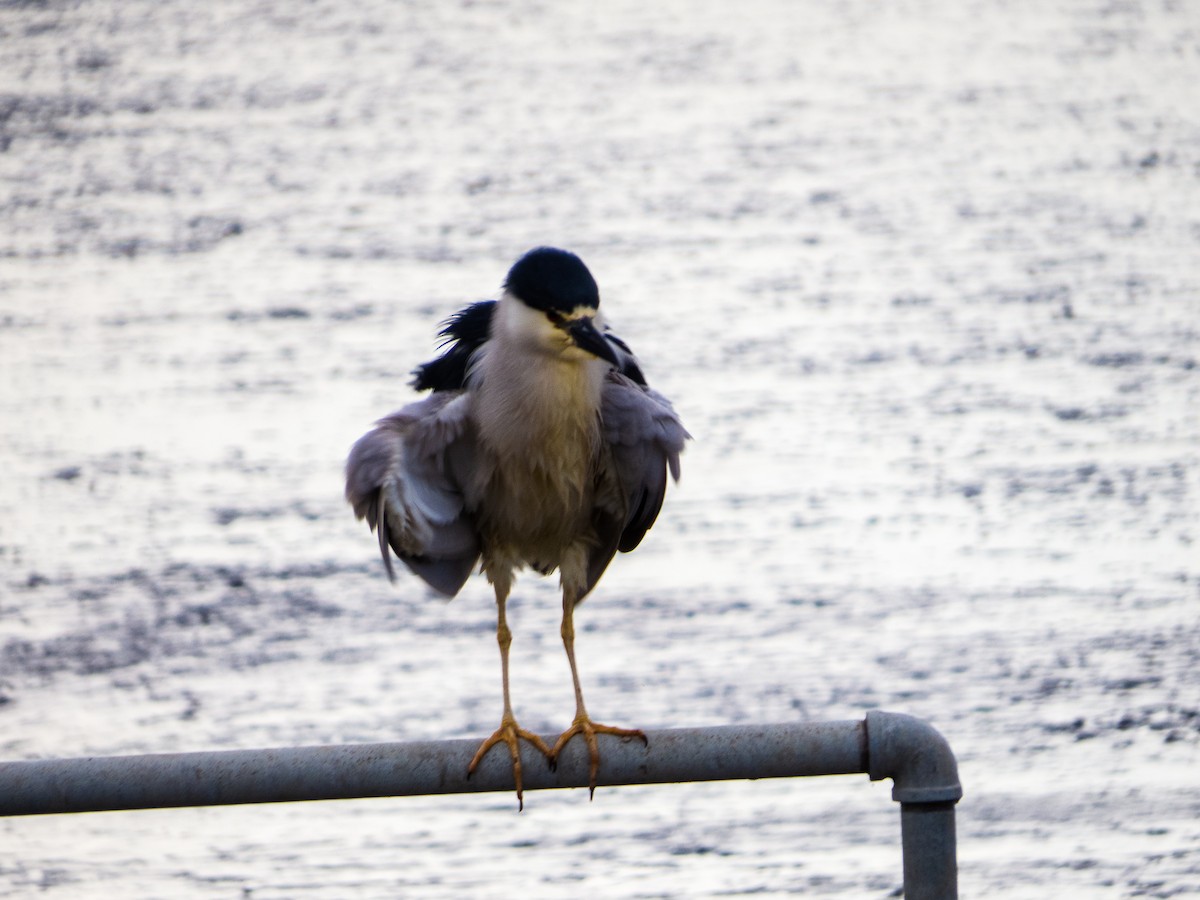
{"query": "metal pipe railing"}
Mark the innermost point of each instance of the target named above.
(884, 745)
(925, 783)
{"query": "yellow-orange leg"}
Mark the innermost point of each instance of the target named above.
(583, 723)
(509, 733)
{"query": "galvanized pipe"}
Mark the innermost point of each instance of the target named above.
(421, 767)
(925, 782)
(885, 745)
(927, 837)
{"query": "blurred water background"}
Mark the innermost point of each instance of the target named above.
(922, 279)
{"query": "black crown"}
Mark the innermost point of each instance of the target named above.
(547, 278)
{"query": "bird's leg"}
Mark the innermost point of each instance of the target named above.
(508, 732)
(583, 723)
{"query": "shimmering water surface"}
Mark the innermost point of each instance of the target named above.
(921, 279)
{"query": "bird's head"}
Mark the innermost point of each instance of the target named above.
(552, 304)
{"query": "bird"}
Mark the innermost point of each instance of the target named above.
(539, 445)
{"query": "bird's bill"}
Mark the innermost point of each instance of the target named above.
(587, 337)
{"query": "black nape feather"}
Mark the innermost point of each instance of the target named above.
(630, 369)
(465, 332)
(628, 362)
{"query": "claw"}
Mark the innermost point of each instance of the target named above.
(589, 729)
(510, 734)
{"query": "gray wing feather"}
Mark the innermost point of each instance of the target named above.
(397, 478)
(644, 437)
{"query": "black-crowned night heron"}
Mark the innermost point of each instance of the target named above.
(540, 445)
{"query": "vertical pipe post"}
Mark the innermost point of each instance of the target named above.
(925, 783)
(928, 839)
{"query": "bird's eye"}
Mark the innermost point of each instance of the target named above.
(556, 318)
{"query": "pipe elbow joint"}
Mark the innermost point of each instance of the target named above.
(914, 755)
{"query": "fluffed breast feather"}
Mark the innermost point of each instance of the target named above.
(418, 476)
(398, 479)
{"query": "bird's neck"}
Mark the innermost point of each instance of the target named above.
(524, 401)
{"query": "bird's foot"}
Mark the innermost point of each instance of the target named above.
(509, 733)
(585, 726)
